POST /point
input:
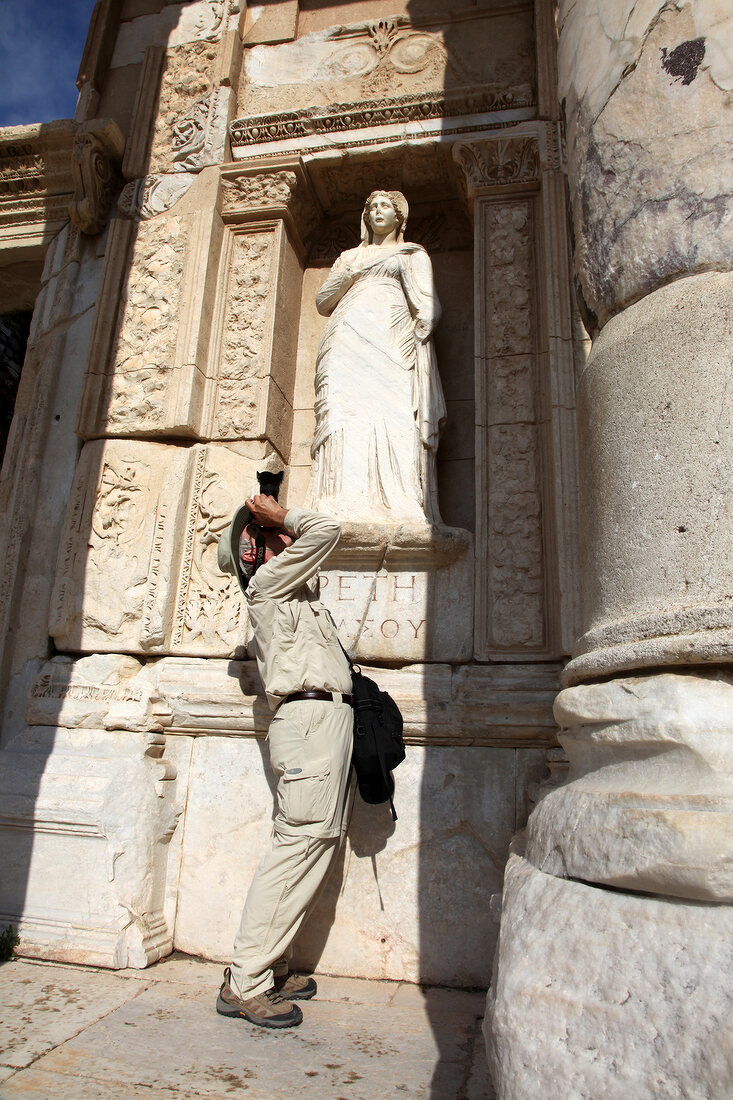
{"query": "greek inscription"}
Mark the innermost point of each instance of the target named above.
(417, 628)
(344, 587)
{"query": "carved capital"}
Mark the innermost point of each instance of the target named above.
(274, 191)
(95, 160)
(499, 162)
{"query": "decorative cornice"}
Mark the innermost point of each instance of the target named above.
(35, 173)
(343, 117)
(501, 162)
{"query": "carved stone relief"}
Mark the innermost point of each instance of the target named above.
(190, 126)
(499, 163)
(145, 198)
(137, 567)
(35, 176)
(511, 602)
(95, 159)
(144, 353)
(390, 60)
(243, 362)
(387, 51)
(284, 190)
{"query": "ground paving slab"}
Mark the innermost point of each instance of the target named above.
(79, 1033)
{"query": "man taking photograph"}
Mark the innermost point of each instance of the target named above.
(276, 556)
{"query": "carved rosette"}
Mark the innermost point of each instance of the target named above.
(95, 160)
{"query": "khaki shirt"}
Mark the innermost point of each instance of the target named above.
(295, 639)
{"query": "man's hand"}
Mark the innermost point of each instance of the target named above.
(266, 511)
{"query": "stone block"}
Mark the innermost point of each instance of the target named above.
(621, 995)
(649, 802)
(506, 705)
(404, 594)
(85, 818)
(383, 913)
(137, 566)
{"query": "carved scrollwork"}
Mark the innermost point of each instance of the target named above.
(499, 163)
(198, 136)
(95, 160)
(145, 198)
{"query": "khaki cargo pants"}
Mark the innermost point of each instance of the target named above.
(310, 751)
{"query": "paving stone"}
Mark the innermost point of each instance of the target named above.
(172, 1044)
(155, 1034)
(355, 990)
(44, 1006)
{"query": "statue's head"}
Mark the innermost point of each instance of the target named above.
(399, 205)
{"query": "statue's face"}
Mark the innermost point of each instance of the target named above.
(382, 215)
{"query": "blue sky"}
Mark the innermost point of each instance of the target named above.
(41, 43)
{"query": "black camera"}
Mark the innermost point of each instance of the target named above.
(270, 483)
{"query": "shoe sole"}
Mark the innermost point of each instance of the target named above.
(273, 1023)
(304, 995)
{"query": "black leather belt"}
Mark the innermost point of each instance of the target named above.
(326, 695)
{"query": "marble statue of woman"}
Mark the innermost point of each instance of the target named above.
(379, 402)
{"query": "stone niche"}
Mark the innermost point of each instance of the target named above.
(400, 592)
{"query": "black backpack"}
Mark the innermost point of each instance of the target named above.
(378, 743)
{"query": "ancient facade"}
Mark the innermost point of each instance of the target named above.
(566, 171)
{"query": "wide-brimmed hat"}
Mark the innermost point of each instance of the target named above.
(227, 551)
(243, 530)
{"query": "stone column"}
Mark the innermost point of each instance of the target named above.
(627, 991)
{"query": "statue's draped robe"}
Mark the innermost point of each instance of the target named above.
(379, 402)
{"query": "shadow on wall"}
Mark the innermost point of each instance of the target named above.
(75, 829)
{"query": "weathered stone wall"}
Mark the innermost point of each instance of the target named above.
(243, 145)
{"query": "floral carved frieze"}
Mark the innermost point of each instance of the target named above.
(343, 117)
(95, 159)
(271, 189)
(499, 163)
(274, 193)
(388, 51)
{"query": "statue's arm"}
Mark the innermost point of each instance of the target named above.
(340, 278)
(419, 284)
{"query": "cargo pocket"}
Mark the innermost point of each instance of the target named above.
(305, 793)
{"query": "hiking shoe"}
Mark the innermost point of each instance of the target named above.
(296, 987)
(267, 1009)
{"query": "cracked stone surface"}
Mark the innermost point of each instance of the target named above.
(77, 1033)
(647, 95)
(608, 995)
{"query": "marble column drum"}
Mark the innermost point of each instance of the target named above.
(645, 713)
